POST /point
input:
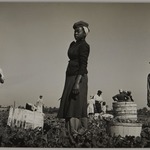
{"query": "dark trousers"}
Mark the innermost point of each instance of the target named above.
(98, 107)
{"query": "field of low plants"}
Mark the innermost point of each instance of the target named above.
(52, 135)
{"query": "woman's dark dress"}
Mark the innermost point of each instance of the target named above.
(75, 105)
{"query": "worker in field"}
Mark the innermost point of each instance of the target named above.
(39, 104)
(73, 103)
(1, 76)
(103, 108)
(90, 108)
(121, 97)
(130, 96)
(98, 99)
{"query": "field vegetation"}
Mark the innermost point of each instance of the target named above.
(52, 135)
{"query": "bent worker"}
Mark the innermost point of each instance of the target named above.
(121, 97)
(98, 99)
(1, 76)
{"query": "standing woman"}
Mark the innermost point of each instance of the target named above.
(73, 105)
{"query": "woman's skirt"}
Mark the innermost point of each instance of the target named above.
(74, 105)
(98, 107)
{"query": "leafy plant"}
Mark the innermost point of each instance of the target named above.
(54, 135)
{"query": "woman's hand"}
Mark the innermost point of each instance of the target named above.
(76, 89)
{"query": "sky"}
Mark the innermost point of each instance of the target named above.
(34, 39)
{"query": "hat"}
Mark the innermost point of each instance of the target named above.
(80, 24)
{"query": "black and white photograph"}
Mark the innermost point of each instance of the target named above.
(74, 74)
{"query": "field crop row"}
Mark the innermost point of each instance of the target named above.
(52, 135)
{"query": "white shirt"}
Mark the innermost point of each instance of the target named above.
(39, 105)
(98, 98)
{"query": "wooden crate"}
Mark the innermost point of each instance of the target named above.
(24, 118)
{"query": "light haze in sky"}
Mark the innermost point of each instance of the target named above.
(34, 39)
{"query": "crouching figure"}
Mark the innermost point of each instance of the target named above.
(1, 76)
